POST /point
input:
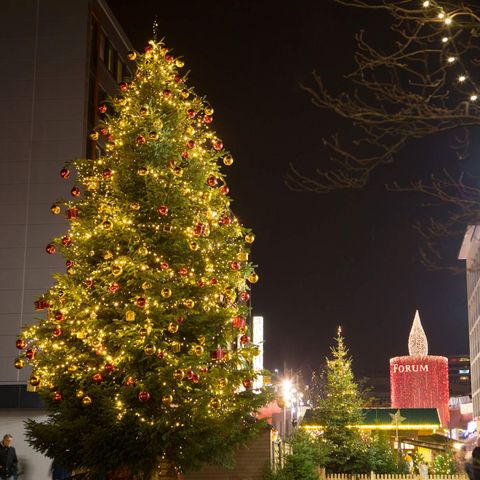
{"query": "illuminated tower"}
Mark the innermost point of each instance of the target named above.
(419, 380)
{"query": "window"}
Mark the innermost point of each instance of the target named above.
(120, 69)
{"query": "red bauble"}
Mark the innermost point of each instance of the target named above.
(195, 378)
(72, 213)
(20, 343)
(168, 57)
(89, 283)
(185, 155)
(102, 108)
(244, 296)
(75, 192)
(212, 181)
(69, 263)
(213, 281)
(160, 354)
(201, 283)
(177, 78)
(238, 322)
(107, 173)
(207, 118)
(41, 304)
(65, 173)
(51, 248)
(235, 265)
(59, 316)
(57, 331)
(57, 397)
(224, 189)
(162, 210)
(123, 86)
(247, 383)
(217, 145)
(114, 287)
(183, 271)
(244, 339)
(109, 367)
(189, 373)
(163, 265)
(141, 302)
(144, 396)
(167, 93)
(130, 381)
(104, 131)
(225, 220)
(97, 378)
(148, 48)
(140, 140)
(30, 353)
(66, 240)
(191, 113)
(191, 144)
(180, 320)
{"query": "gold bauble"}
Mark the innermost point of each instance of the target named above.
(249, 237)
(176, 347)
(86, 401)
(198, 350)
(143, 251)
(215, 403)
(223, 382)
(177, 171)
(143, 332)
(185, 94)
(135, 206)
(80, 394)
(253, 278)
(55, 209)
(146, 285)
(166, 292)
(34, 381)
(167, 399)
(194, 246)
(93, 135)
(19, 363)
(153, 135)
(142, 171)
(190, 131)
(208, 111)
(107, 255)
(255, 349)
(70, 270)
(227, 160)
(106, 225)
(243, 256)
(117, 270)
(179, 63)
(149, 349)
(178, 375)
(201, 339)
(144, 111)
(158, 123)
(189, 303)
(173, 327)
(72, 368)
(129, 316)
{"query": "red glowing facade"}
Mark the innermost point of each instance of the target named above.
(420, 380)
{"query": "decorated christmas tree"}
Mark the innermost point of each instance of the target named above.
(143, 356)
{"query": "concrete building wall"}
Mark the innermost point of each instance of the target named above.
(42, 124)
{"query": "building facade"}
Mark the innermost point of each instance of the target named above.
(60, 59)
(470, 252)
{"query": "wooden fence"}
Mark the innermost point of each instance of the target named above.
(378, 476)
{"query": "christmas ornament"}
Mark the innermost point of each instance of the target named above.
(80, 394)
(183, 271)
(191, 113)
(117, 270)
(153, 135)
(166, 292)
(34, 381)
(217, 145)
(178, 375)
(198, 350)
(143, 250)
(249, 238)
(114, 287)
(177, 171)
(65, 173)
(109, 367)
(142, 171)
(87, 401)
(163, 265)
(172, 327)
(215, 403)
(130, 382)
(57, 331)
(247, 383)
(89, 283)
(162, 210)
(167, 93)
(41, 304)
(149, 349)
(146, 285)
(97, 378)
(102, 108)
(195, 378)
(167, 399)
(123, 86)
(176, 347)
(140, 140)
(185, 155)
(212, 181)
(19, 363)
(179, 63)
(144, 396)
(72, 213)
(180, 320)
(135, 206)
(30, 353)
(131, 56)
(75, 192)
(107, 173)
(106, 225)
(93, 135)
(218, 354)
(228, 160)
(224, 189)
(238, 322)
(244, 339)
(55, 209)
(191, 144)
(234, 265)
(141, 302)
(194, 246)
(244, 296)
(51, 248)
(222, 382)
(207, 118)
(57, 397)
(189, 303)
(253, 278)
(129, 316)
(59, 316)
(66, 240)
(144, 111)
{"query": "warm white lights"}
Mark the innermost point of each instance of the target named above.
(448, 21)
(417, 340)
(451, 59)
(445, 39)
(462, 78)
(473, 97)
(441, 15)
(426, 3)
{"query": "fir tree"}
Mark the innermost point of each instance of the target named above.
(339, 410)
(144, 355)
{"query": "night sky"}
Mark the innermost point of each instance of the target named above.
(347, 258)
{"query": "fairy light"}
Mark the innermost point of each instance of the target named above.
(451, 59)
(426, 3)
(462, 78)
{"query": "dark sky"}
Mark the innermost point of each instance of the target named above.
(347, 258)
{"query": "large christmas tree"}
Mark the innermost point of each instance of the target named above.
(144, 354)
